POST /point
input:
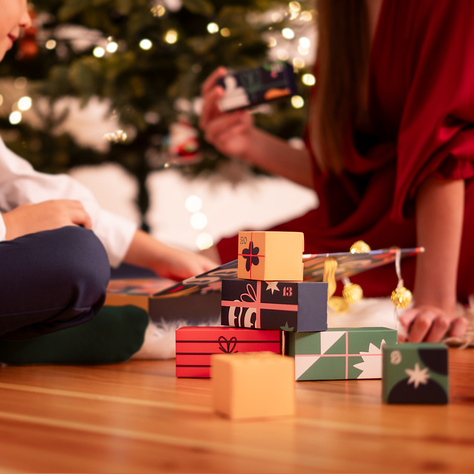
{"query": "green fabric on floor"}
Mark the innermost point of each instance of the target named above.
(113, 335)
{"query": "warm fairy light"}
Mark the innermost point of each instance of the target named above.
(297, 102)
(193, 203)
(25, 103)
(145, 44)
(276, 17)
(171, 36)
(288, 33)
(1, 99)
(117, 136)
(308, 79)
(299, 63)
(295, 9)
(98, 52)
(213, 28)
(225, 32)
(306, 16)
(198, 220)
(111, 47)
(272, 42)
(50, 44)
(304, 42)
(282, 54)
(15, 117)
(204, 241)
(295, 6)
(158, 10)
(20, 82)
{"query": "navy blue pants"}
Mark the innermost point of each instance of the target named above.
(50, 281)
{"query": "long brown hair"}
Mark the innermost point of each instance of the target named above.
(343, 52)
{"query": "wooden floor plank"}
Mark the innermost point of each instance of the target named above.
(138, 417)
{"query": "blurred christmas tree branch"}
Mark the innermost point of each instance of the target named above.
(137, 67)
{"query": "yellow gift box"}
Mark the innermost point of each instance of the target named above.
(270, 256)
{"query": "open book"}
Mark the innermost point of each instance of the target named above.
(197, 299)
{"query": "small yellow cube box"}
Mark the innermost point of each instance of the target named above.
(270, 256)
(253, 385)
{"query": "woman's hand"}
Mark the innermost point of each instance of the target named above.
(430, 324)
(30, 218)
(229, 132)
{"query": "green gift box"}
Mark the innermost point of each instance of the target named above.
(338, 354)
(415, 373)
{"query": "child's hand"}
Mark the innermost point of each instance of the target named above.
(178, 264)
(430, 324)
(165, 260)
(48, 215)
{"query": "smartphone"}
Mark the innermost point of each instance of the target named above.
(251, 87)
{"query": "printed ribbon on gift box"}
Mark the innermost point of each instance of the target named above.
(246, 312)
(194, 346)
(251, 255)
(354, 353)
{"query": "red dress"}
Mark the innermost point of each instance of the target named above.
(421, 105)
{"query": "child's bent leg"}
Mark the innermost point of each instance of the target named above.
(50, 281)
(53, 285)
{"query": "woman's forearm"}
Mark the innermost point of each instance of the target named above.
(439, 222)
(277, 157)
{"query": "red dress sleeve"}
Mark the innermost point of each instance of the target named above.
(436, 128)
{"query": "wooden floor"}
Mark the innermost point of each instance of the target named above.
(137, 417)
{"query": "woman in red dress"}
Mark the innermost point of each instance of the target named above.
(390, 148)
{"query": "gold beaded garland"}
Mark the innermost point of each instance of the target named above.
(401, 297)
(360, 247)
(352, 292)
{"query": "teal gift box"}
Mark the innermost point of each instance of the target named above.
(415, 373)
(338, 354)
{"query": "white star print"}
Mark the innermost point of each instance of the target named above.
(417, 376)
(272, 285)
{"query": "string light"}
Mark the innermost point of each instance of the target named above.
(204, 240)
(145, 44)
(15, 117)
(225, 32)
(299, 63)
(213, 28)
(193, 203)
(1, 99)
(25, 103)
(111, 47)
(20, 82)
(282, 54)
(297, 101)
(198, 220)
(171, 36)
(98, 52)
(288, 33)
(308, 79)
(158, 10)
(295, 9)
(117, 136)
(50, 44)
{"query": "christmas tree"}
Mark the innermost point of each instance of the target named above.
(144, 62)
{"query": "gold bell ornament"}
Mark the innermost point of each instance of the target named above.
(401, 296)
(352, 292)
(360, 247)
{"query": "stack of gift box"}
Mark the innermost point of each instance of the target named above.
(270, 308)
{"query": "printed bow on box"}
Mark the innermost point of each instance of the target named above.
(289, 306)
